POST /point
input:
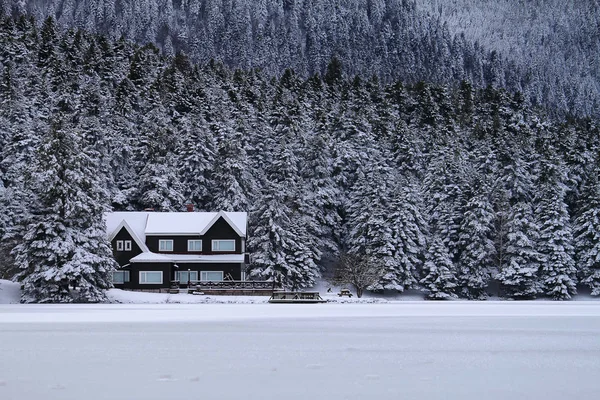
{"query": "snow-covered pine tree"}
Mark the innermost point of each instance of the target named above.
(440, 279)
(587, 238)
(158, 186)
(444, 193)
(195, 157)
(370, 230)
(279, 245)
(477, 248)
(558, 273)
(518, 275)
(231, 184)
(64, 255)
(282, 245)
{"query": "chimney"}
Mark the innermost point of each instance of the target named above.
(190, 207)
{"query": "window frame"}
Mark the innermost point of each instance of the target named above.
(215, 241)
(126, 277)
(119, 245)
(202, 273)
(190, 241)
(144, 281)
(127, 244)
(161, 241)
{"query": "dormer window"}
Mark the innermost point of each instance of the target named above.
(223, 245)
(165, 245)
(194, 245)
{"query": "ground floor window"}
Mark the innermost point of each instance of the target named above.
(120, 276)
(182, 276)
(211, 276)
(151, 277)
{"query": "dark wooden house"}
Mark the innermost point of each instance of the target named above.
(156, 249)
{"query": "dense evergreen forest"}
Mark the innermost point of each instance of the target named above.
(548, 50)
(561, 38)
(458, 190)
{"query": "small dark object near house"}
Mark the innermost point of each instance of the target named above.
(345, 292)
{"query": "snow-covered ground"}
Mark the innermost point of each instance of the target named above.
(403, 350)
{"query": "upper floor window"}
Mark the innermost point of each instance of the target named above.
(127, 245)
(119, 245)
(194, 245)
(223, 245)
(165, 245)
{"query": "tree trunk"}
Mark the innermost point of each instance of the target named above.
(359, 292)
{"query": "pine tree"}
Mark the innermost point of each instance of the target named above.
(558, 273)
(440, 279)
(477, 248)
(64, 255)
(279, 245)
(518, 275)
(587, 238)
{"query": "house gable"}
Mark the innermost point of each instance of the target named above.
(222, 215)
(221, 229)
(125, 225)
(123, 256)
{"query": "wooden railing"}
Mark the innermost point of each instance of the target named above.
(200, 285)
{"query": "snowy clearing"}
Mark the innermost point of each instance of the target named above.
(425, 350)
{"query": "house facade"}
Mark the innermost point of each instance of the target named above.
(156, 249)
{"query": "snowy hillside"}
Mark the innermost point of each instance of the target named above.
(547, 50)
(560, 38)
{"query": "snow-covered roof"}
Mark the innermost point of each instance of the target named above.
(144, 223)
(188, 258)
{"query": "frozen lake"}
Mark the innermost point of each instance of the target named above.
(421, 350)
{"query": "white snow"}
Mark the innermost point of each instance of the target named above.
(390, 350)
(10, 292)
(424, 350)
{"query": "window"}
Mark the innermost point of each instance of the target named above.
(151, 277)
(194, 245)
(243, 245)
(120, 276)
(182, 276)
(128, 245)
(223, 245)
(211, 276)
(165, 245)
(119, 245)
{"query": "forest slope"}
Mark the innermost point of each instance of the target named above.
(555, 65)
(449, 189)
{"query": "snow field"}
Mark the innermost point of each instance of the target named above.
(425, 350)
